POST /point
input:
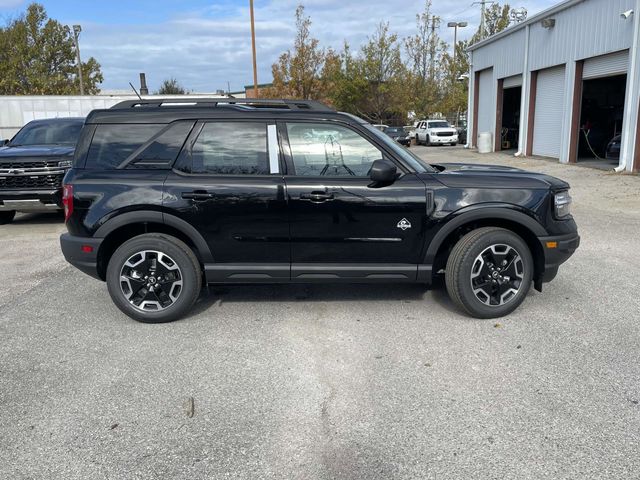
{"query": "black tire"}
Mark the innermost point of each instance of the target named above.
(189, 273)
(7, 217)
(463, 269)
(427, 141)
(417, 139)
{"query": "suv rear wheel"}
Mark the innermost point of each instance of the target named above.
(154, 278)
(7, 217)
(489, 272)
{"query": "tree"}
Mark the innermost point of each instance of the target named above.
(37, 57)
(171, 86)
(297, 73)
(496, 18)
(425, 51)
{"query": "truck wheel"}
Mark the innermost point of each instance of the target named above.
(489, 272)
(154, 278)
(7, 217)
(427, 141)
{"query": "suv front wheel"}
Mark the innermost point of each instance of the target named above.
(489, 272)
(154, 278)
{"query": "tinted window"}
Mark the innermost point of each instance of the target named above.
(112, 144)
(395, 131)
(234, 148)
(438, 125)
(48, 133)
(164, 148)
(320, 149)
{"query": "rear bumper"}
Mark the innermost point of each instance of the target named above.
(557, 250)
(81, 258)
(30, 200)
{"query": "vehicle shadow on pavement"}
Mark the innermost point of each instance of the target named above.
(49, 218)
(217, 295)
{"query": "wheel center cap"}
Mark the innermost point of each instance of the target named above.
(495, 274)
(152, 280)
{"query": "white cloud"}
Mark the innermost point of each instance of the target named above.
(207, 48)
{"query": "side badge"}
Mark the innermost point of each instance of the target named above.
(404, 224)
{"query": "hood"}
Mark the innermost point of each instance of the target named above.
(494, 176)
(37, 151)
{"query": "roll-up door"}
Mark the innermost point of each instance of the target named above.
(606, 65)
(486, 102)
(515, 81)
(547, 133)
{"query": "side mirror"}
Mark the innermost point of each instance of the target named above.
(383, 172)
(4, 142)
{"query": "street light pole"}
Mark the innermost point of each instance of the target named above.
(76, 33)
(253, 48)
(455, 26)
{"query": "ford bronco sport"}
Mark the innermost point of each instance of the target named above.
(167, 194)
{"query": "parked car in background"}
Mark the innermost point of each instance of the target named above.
(380, 126)
(163, 197)
(411, 130)
(33, 163)
(613, 148)
(436, 132)
(462, 132)
(399, 134)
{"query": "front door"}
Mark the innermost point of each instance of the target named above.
(228, 186)
(343, 226)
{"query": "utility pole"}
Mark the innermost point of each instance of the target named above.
(483, 8)
(76, 33)
(253, 48)
(435, 23)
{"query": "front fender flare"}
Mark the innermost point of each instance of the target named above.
(481, 213)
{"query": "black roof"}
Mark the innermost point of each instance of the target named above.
(166, 110)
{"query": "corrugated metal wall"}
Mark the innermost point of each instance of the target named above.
(504, 55)
(588, 29)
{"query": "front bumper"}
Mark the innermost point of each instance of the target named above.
(30, 200)
(76, 252)
(436, 139)
(557, 250)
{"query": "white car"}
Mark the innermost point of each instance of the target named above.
(436, 132)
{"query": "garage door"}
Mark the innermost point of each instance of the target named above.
(510, 82)
(547, 132)
(486, 102)
(606, 65)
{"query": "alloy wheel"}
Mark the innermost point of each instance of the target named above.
(497, 275)
(151, 280)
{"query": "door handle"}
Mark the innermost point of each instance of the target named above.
(317, 197)
(197, 195)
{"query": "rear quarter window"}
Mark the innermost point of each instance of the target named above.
(114, 143)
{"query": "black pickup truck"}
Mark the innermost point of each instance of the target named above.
(167, 194)
(33, 163)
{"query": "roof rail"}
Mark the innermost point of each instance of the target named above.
(214, 102)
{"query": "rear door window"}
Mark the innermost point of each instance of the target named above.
(231, 148)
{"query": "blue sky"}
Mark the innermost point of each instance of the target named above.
(205, 43)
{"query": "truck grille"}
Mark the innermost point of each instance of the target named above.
(445, 134)
(26, 182)
(31, 164)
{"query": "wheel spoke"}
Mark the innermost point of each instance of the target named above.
(495, 277)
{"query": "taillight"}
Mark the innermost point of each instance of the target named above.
(67, 201)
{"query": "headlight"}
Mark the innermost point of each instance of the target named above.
(562, 202)
(65, 164)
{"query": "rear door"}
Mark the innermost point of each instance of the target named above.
(227, 184)
(342, 225)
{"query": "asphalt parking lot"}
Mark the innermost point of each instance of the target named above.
(323, 382)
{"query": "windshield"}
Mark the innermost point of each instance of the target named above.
(416, 162)
(48, 133)
(438, 125)
(395, 131)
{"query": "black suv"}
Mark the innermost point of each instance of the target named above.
(164, 195)
(33, 163)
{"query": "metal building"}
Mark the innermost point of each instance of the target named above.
(563, 84)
